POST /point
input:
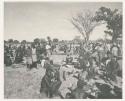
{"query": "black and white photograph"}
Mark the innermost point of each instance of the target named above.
(63, 50)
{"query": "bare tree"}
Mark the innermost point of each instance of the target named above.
(84, 22)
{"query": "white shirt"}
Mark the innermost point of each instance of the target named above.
(33, 51)
(48, 47)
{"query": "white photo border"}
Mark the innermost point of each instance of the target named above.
(2, 48)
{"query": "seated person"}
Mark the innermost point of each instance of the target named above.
(69, 59)
(51, 81)
(112, 68)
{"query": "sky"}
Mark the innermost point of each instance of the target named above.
(30, 20)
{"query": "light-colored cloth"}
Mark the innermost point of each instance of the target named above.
(115, 51)
(33, 50)
(34, 56)
(70, 82)
(108, 47)
(43, 62)
(48, 47)
(48, 53)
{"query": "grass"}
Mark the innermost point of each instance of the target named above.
(23, 84)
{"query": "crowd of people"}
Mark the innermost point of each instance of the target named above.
(92, 73)
(30, 53)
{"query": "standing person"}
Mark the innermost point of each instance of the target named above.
(43, 49)
(28, 53)
(93, 68)
(108, 57)
(42, 54)
(82, 62)
(34, 57)
(69, 59)
(14, 53)
(112, 68)
(48, 49)
(20, 54)
(7, 59)
(38, 53)
(65, 48)
(101, 53)
(115, 50)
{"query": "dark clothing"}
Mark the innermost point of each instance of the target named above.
(69, 60)
(28, 52)
(40, 52)
(20, 54)
(79, 93)
(7, 56)
(112, 68)
(82, 63)
(50, 82)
